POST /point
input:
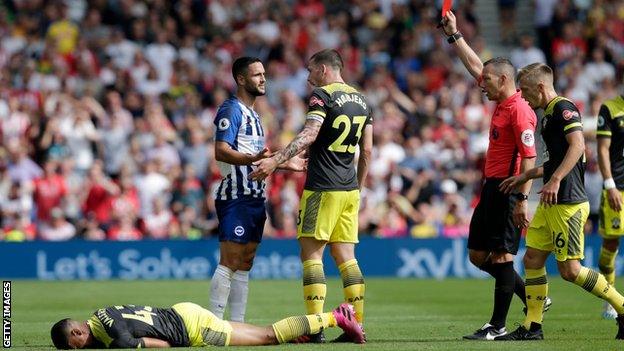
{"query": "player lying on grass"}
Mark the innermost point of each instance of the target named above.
(187, 324)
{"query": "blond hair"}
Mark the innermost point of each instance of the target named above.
(535, 72)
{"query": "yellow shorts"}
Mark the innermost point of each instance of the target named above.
(559, 229)
(329, 216)
(203, 327)
(610, 222)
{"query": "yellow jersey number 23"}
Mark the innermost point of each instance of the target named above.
(344, 123)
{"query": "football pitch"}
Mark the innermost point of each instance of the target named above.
(401, 314)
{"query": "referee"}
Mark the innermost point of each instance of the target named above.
(498, 218)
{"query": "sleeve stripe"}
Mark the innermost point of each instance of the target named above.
(315, 117)
(572, 125)
(316, 112)
(603, 132)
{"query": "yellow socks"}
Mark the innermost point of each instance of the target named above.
(293, 327)
(314, 286)
(353, 286)
(606, 264)
(597, 284)
(536, 287)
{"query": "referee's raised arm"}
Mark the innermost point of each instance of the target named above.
(469, 58)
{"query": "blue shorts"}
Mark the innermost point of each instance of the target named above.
(241, 220)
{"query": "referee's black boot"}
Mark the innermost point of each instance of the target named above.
(486, 332)
(522, 333)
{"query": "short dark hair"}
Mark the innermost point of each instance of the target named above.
(241, 64)
(328, 57)
(59, 334)
(502, 65)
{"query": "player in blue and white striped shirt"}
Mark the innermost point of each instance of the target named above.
(239, 127)
(240, 202)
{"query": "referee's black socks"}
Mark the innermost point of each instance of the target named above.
(503, 292)
(518, 284)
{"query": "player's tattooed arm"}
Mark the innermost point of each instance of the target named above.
(301, 142)
(305, 138)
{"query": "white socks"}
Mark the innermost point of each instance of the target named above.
(220, 290)
(238, 296)
(229, 287)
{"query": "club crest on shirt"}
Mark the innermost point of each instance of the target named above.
(316, 101)
(569, 114)
(615, 223)
(601, 121)
(528, 138)
(239, 230)
(224, 124)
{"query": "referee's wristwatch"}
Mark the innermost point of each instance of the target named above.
(520, 196)
(454, 37)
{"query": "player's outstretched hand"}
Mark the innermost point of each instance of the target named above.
(615, 199)
(449, 23)
(510, 184)
(263, 154)
(264, 168)
(296, 164)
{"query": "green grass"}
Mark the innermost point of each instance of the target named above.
(401, 314)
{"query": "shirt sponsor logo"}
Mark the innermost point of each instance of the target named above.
(316, 101)
(528, 138)
(239, 231)
(568, 114)
(224, 124)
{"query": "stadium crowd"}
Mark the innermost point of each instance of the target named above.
(107, 107)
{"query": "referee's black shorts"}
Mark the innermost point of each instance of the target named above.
(492, 227)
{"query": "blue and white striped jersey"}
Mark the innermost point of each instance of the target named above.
(239, 126)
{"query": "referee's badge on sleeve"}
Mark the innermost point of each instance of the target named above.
(528, 138)
(224, 124)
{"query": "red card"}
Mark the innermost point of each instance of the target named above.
(446, 6)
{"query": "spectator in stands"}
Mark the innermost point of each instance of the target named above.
(49, 190)
(198, 153)
(17, 228)
(21, 168)
(123, 229)
(126, 202)
(150, 184)
(99, 190)
(58, 229)
(596, 71)
(527, 52)
(91, 229)
(507, 20)
(160, 223)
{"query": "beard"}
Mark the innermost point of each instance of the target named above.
(254, 91)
